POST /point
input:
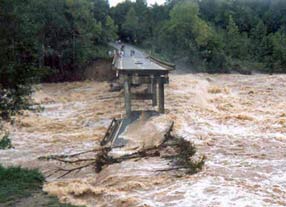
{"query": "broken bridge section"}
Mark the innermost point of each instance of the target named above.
(134, 68)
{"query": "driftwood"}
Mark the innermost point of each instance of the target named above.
(180, 159)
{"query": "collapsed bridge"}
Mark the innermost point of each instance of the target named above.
(135, 68)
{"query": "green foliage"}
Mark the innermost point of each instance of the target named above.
(212, 35)
(5, 142)
(131, 25)
(48, 37)
(17, 182)
(110, 29)
(183, 159)
(17, 59)
(278, 41)
(187, 33)
(233, 38)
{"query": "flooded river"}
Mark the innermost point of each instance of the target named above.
(237, 121)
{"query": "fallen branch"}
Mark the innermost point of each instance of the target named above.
(184, 150)
(68, 171)
(179, 157)
(56, 157)
(73, 161)
(104, 159)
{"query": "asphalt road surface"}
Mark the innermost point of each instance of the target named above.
(137, 61)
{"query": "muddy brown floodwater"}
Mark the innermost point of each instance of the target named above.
(237, 121)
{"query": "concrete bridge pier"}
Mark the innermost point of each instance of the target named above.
(155, 91)
(161, 95)
(153, 86)
(127, 94)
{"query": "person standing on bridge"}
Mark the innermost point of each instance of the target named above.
(122, 50)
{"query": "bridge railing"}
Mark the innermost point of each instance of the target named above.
(162, 63)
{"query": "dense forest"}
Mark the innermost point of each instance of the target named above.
(48, 40)
(51, 40)
(209, 35)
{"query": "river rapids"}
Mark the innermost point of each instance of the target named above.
(238, 122)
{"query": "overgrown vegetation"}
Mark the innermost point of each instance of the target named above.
(48, 37)
(209, 35)
(19, 183)
(184, 156)
(5, 142)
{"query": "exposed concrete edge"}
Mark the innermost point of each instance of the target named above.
(170, 66)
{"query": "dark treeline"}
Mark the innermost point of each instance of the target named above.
(54, 40)
(210, 35)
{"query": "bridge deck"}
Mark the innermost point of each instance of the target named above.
(114, 136)
(138, 63)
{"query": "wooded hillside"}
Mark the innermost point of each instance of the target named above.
(209, 35)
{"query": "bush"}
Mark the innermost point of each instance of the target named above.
(5, 142)
(17, 182)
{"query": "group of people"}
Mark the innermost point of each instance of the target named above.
(121, 52)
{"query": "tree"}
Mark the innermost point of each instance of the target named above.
(233, 39)
(279, 51)
(258, 35)
(110, 29)
(187, 34)
(130, 26)
(118, 14)
(17, 60)
(48, 35)
(100, 10)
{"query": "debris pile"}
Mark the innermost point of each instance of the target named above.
(176, 150)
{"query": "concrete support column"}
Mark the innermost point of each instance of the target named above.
(127, 94)
(154, 90)
(161, 95)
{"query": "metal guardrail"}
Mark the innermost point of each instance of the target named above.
(165, 64)
(109, 135)
(170, 66)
